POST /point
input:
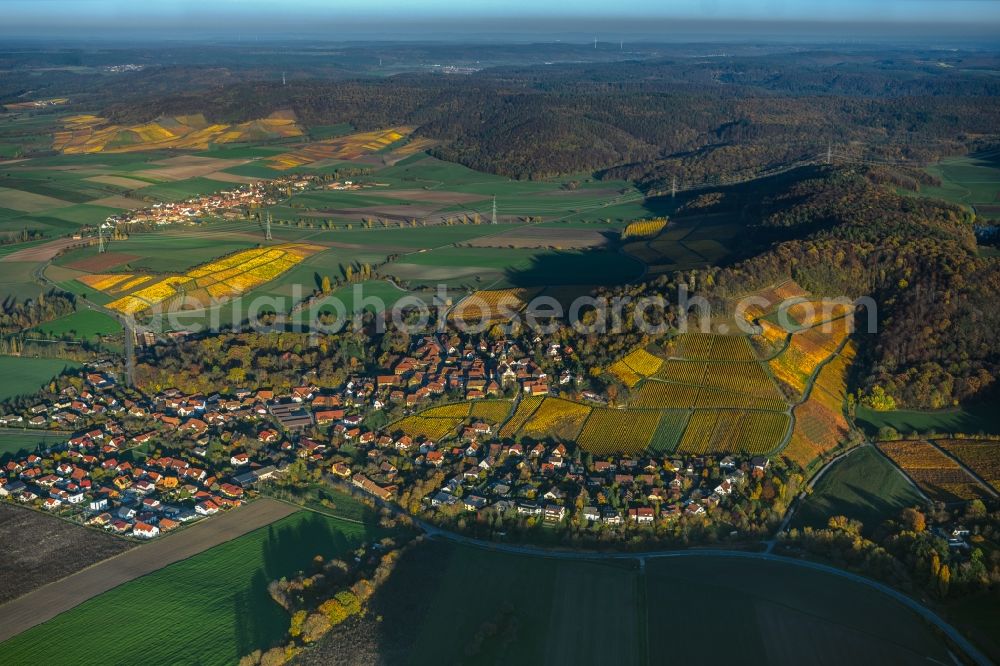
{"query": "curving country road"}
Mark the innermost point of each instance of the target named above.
(434, 532)
(971, 651)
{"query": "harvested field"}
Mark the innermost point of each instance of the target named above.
(188, 166)
(45, 603)
(102, 262)
(120, 181)
(432, 196)
(39, 549)
(401, 212)
(224, 177)
(29, 202)
(44, 252)
(117, 202)
(532, 237)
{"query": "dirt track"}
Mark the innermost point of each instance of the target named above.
(46, 602)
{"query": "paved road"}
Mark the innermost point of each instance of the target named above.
(46, 602)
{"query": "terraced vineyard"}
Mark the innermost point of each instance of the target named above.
(454, 410)
(627, 431)
(940, 477)
(806, 351)
(424, 426)
(556, 417)
(489, 305)
(82, 134)
(656, 394)
(669, 431)
(820, 424)
(492, 411)
(733, 431)
(524, 410)
(635, 366)
(644, 228)
(981, 456)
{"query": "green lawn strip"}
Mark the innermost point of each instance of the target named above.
(669, 431)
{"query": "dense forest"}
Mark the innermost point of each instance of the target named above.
(938, 338)
(701, 120)
(641, 132)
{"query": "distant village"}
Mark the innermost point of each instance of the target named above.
(227, 204)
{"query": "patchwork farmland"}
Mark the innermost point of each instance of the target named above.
(203, 285)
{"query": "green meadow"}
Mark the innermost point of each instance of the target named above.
(532, 610)
(212, 608)
(84, 324)
(970, 180)
(17, 441)
(972, 419)
(24, 375)
(863, 486)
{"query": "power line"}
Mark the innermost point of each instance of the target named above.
(267, 232)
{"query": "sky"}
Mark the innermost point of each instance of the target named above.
(341, 18)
